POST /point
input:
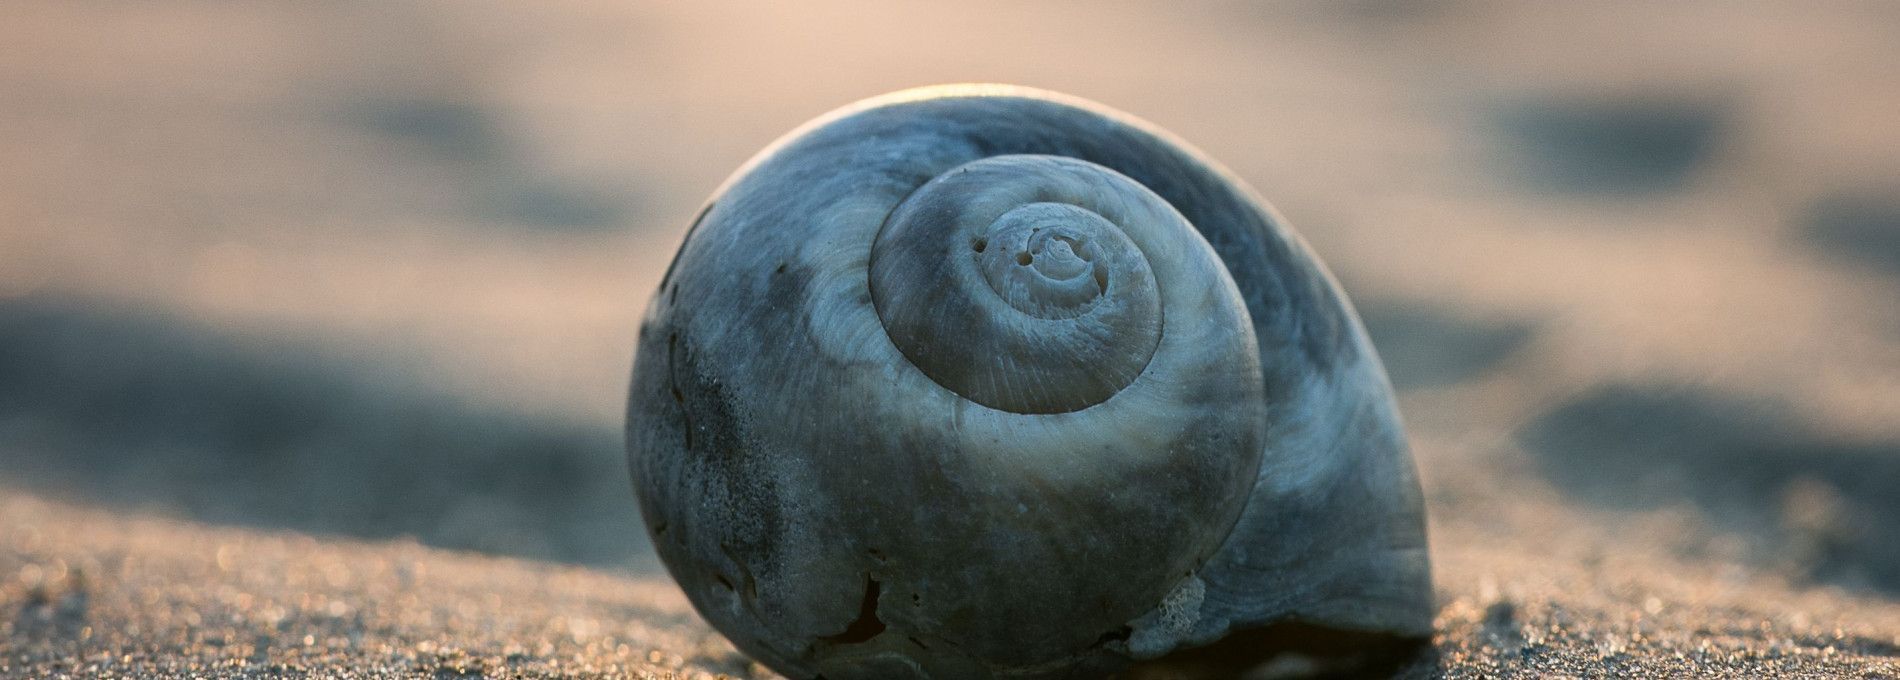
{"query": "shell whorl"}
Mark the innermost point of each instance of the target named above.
(1019, 282)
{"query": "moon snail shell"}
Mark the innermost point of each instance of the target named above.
(989, 382)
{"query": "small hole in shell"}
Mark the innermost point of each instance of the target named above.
(1024, 258)
(980, 244)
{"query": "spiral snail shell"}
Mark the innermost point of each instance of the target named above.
(981, 381)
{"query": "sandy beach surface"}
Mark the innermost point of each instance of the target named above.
(97, 594)
(316, 318)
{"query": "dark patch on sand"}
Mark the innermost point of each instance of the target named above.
(1502, 626)
(504, 186)
(1293, 650)
(1425, 345)
(449, 129)
(1613, 146)
(1861, 227)
(54, 610)
(1826, 505)
(533, 202)
(135, 409)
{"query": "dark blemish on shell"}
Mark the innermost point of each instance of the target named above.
(750, 583)
(734, 471)
(867, 625)
(673, 384)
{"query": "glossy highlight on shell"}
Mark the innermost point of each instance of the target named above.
(975, 382)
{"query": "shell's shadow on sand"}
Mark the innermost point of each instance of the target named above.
(137, 409)
(473, 141)
(1821, 507)
(1617, 147)
(1426, 345)
(1861, 227)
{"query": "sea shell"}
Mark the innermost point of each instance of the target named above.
(983, 381)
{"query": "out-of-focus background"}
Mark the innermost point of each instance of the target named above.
(372, 270)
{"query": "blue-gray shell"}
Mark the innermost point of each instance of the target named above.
(836, 513)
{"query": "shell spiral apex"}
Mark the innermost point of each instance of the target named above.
(992, 382)
(1052, 306)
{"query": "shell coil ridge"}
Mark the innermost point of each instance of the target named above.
(1014, 281)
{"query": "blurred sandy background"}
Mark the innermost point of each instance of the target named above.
(371, 270)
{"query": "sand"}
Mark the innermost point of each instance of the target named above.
(96, 594)
(315, 318)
